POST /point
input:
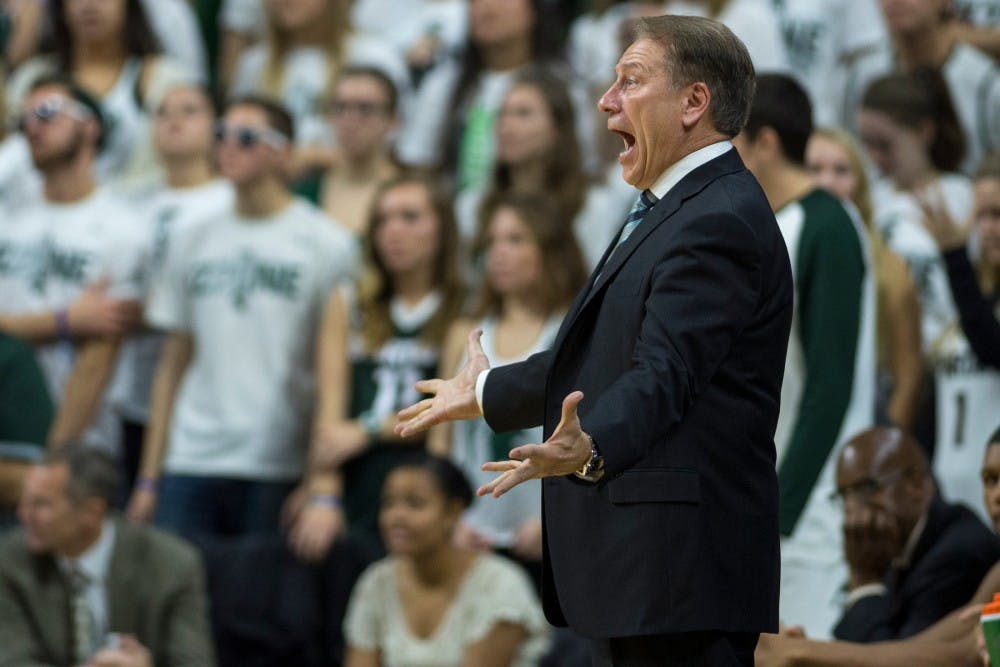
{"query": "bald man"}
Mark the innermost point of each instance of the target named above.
(912, 557)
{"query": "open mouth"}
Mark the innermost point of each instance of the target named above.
(628, 140)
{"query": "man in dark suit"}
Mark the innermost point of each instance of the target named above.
(913, 557)
(659, 490)
(80, 588)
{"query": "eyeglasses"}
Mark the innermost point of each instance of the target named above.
(866, 489)
(343, 107)
(50, 107)
(248, 137)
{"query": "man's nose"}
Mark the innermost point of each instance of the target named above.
(609, 100)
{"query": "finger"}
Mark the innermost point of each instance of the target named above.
(538, 452)
(428, 386)
(490, 487)
(499, 466)
(412, 411)
(418, 424)
(512, 478)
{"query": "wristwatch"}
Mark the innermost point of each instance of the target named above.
(593, 469)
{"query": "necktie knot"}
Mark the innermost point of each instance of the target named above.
(642, 205)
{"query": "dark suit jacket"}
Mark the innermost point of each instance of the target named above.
(679, 350)
(950, 560)
(155, 591)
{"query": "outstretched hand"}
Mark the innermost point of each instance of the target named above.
(452, 399)
(565, 452)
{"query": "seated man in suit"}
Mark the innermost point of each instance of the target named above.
(953, 640)
(913, 558)
(80, 587)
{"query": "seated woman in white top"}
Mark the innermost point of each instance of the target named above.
(431, 603)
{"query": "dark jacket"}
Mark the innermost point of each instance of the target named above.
(679, 350)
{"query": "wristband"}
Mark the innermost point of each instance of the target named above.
(327, 500)
(62, 325)
(149, 484)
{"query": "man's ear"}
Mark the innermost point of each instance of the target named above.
(697, 99)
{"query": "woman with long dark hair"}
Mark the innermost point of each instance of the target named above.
(532, 270)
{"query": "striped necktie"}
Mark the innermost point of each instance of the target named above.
(84, 642)
(645, 201)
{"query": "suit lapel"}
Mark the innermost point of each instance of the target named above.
(122, 582)
(53, 595)
(612, 262)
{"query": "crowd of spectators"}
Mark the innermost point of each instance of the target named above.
(235, 233)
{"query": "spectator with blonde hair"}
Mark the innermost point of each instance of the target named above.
(834, 160)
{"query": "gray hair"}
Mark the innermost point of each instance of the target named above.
(700, 49)
(92, 472)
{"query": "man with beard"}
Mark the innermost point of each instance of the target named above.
(63, 258)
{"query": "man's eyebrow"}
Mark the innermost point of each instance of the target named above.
(632, 65)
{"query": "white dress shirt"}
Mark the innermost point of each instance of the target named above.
(95, 563)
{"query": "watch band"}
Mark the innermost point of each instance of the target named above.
(593, 469)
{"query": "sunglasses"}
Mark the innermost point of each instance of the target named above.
(46, 110)
(248, 137)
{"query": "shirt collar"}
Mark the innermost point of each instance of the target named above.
(678, 170)
(96, 560)
(903, 561)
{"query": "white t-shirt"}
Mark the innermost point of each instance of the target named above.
(20, 182)
(820, 36)
(59, 250)
(251, 293)
(898, 217)
(307, 75)
(169, 213)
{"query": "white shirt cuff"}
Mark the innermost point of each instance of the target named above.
(863, 592)
(480, 385)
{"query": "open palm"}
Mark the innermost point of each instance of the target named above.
(452, 399)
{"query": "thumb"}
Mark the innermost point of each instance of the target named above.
(569, 406)
(474, 348)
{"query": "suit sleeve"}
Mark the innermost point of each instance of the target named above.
(514, 395)
(867, 620)
(188, 640)
(703, 292)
